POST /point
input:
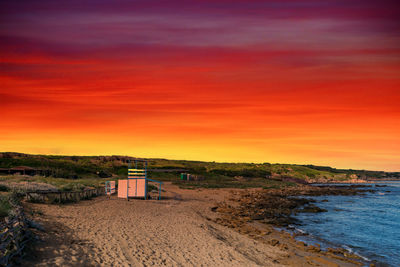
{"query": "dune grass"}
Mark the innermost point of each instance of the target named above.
(81, 167)
(227, 182)
(61, 184)
(5, 205)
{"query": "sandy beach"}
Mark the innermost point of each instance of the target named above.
(179, 230)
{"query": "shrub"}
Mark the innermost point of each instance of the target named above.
(5, 206)
(4, 188)
(151, 187)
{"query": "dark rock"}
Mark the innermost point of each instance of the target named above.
(104, 174)
(312, 209)
(314, 249)
(273, 242)
(257, 217)
(35, 225)
(277, 206)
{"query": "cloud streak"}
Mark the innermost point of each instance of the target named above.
(287, 81)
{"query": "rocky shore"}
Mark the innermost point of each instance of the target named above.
(187, 227)
(246, 211)
(276, 206)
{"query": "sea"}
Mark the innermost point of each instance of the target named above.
(367, 225)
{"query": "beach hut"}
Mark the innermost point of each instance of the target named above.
(137, 183)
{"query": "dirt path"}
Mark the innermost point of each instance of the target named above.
(176, 231)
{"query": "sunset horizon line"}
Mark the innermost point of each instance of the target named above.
(203, 160)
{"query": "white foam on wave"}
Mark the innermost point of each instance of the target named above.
(295, 229)
(299, 230)
(349, 249)
(362, 257)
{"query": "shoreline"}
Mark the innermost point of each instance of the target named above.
(348, 218)
(180, 229)
(338, 251)
(358, 181)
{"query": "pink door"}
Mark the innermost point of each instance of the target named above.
(137, 188)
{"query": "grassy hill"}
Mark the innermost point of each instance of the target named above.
(213, 173)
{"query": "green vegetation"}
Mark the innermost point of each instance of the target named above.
(5, 205)
(8, 201)
(229, 183)
(61, 184)
(151, 187)
(4, 188)
(68, 173)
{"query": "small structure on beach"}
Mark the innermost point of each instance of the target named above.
(136, 186)
(191, 177)
(110, 187)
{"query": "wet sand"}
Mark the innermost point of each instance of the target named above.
(180, 230)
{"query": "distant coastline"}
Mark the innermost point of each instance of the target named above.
(357, 181)
(384, 180)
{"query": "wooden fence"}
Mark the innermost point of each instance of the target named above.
(14, 236)
(63, 197)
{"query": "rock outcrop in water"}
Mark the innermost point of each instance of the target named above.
(276, 206)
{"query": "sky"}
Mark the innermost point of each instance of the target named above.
(305, 82)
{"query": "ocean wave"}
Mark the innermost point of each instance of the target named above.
(350, 250)
(300, 230)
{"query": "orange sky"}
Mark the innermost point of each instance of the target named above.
(272, 82)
